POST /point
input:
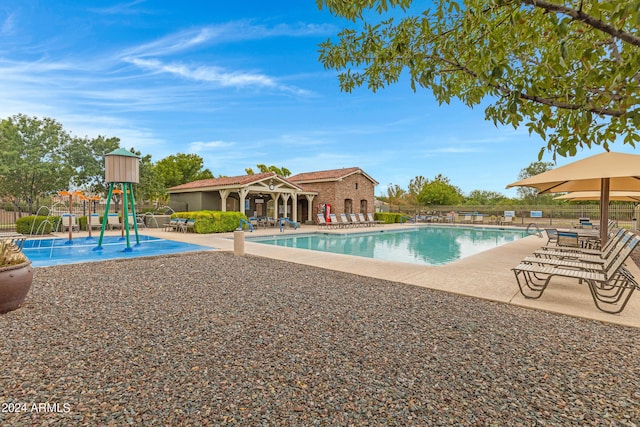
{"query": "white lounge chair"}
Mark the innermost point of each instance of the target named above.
(113, 221)
(95, 221)
(64, 223)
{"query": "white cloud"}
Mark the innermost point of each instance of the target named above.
(200, 146)
(7, 25)
(205, 73)
(223, 33)
(120, 9)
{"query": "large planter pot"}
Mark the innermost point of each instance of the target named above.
(15, 282)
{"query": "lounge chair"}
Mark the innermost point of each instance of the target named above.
(345, 221)
(95, 221)
(364, 221)
(64, 222)
(611, 286)
(174, 224)
(355, 221)
(187, 224)
(320, 221)
(568, 238)
(333, 221)
(506, 220)
(113, 221)
(478, 219)
(554, 251)
(466, 219)
(372, 220)
(552, 236)
(591, 262)
(254, 221)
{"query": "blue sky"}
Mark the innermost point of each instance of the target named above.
(238, 83)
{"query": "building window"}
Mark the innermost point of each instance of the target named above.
(356, 185)
(363, 206)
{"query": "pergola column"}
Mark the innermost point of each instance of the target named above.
(294, 207)
(285, 198)
(310, 198)
(223, 197)
(275, 197)
(242, 192)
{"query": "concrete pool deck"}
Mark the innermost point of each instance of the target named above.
(486, 275)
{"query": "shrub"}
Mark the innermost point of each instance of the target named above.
(206, 222)
(389, 217)
(36, 224)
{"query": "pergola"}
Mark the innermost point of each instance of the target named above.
(249, 190)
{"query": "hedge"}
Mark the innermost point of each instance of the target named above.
(206, 222)
(390, 217)
(38, 224)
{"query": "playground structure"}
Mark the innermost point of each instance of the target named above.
(122, 167)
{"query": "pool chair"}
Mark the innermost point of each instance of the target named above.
(594, 262)
(173, 224)
(320, 221)
(187, 225)
(554, 251)
(552, 236)
(95, 221)
(356, 222)
(364, 221)
(64, 223)
(344, 221)
(372, 220)
(333, 221)
(611, 285)
(478, 219)
(113, 221)
(254, 221)
(506, 220)
(466, 219)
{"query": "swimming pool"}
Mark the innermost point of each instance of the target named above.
(48, 252)
(421, 245)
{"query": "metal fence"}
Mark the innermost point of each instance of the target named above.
(9, 216)
(623, 213)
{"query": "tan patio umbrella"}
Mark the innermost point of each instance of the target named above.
(603, 173)
(620, 196)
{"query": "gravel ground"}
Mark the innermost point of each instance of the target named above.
(212, 339)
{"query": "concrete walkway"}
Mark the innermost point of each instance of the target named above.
(486, 275)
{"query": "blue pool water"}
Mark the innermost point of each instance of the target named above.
(422, 245)
(48, 252)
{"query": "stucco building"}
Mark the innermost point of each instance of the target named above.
(299, 197)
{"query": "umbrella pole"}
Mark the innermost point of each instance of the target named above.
(604, 210)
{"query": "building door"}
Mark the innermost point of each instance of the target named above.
(348, 206)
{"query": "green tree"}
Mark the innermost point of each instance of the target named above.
(181, 168)
(395, 193)
(440, 192)
(568, 69)
(535, 168)
(415, 187)
(486, 198)
(282, 171)
(151, 185)
(33, 159)
(86, 157)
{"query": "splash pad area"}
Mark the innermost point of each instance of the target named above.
(57, 251)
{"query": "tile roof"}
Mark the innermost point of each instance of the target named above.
(327, 175)
(295, 181)
(225, 181)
